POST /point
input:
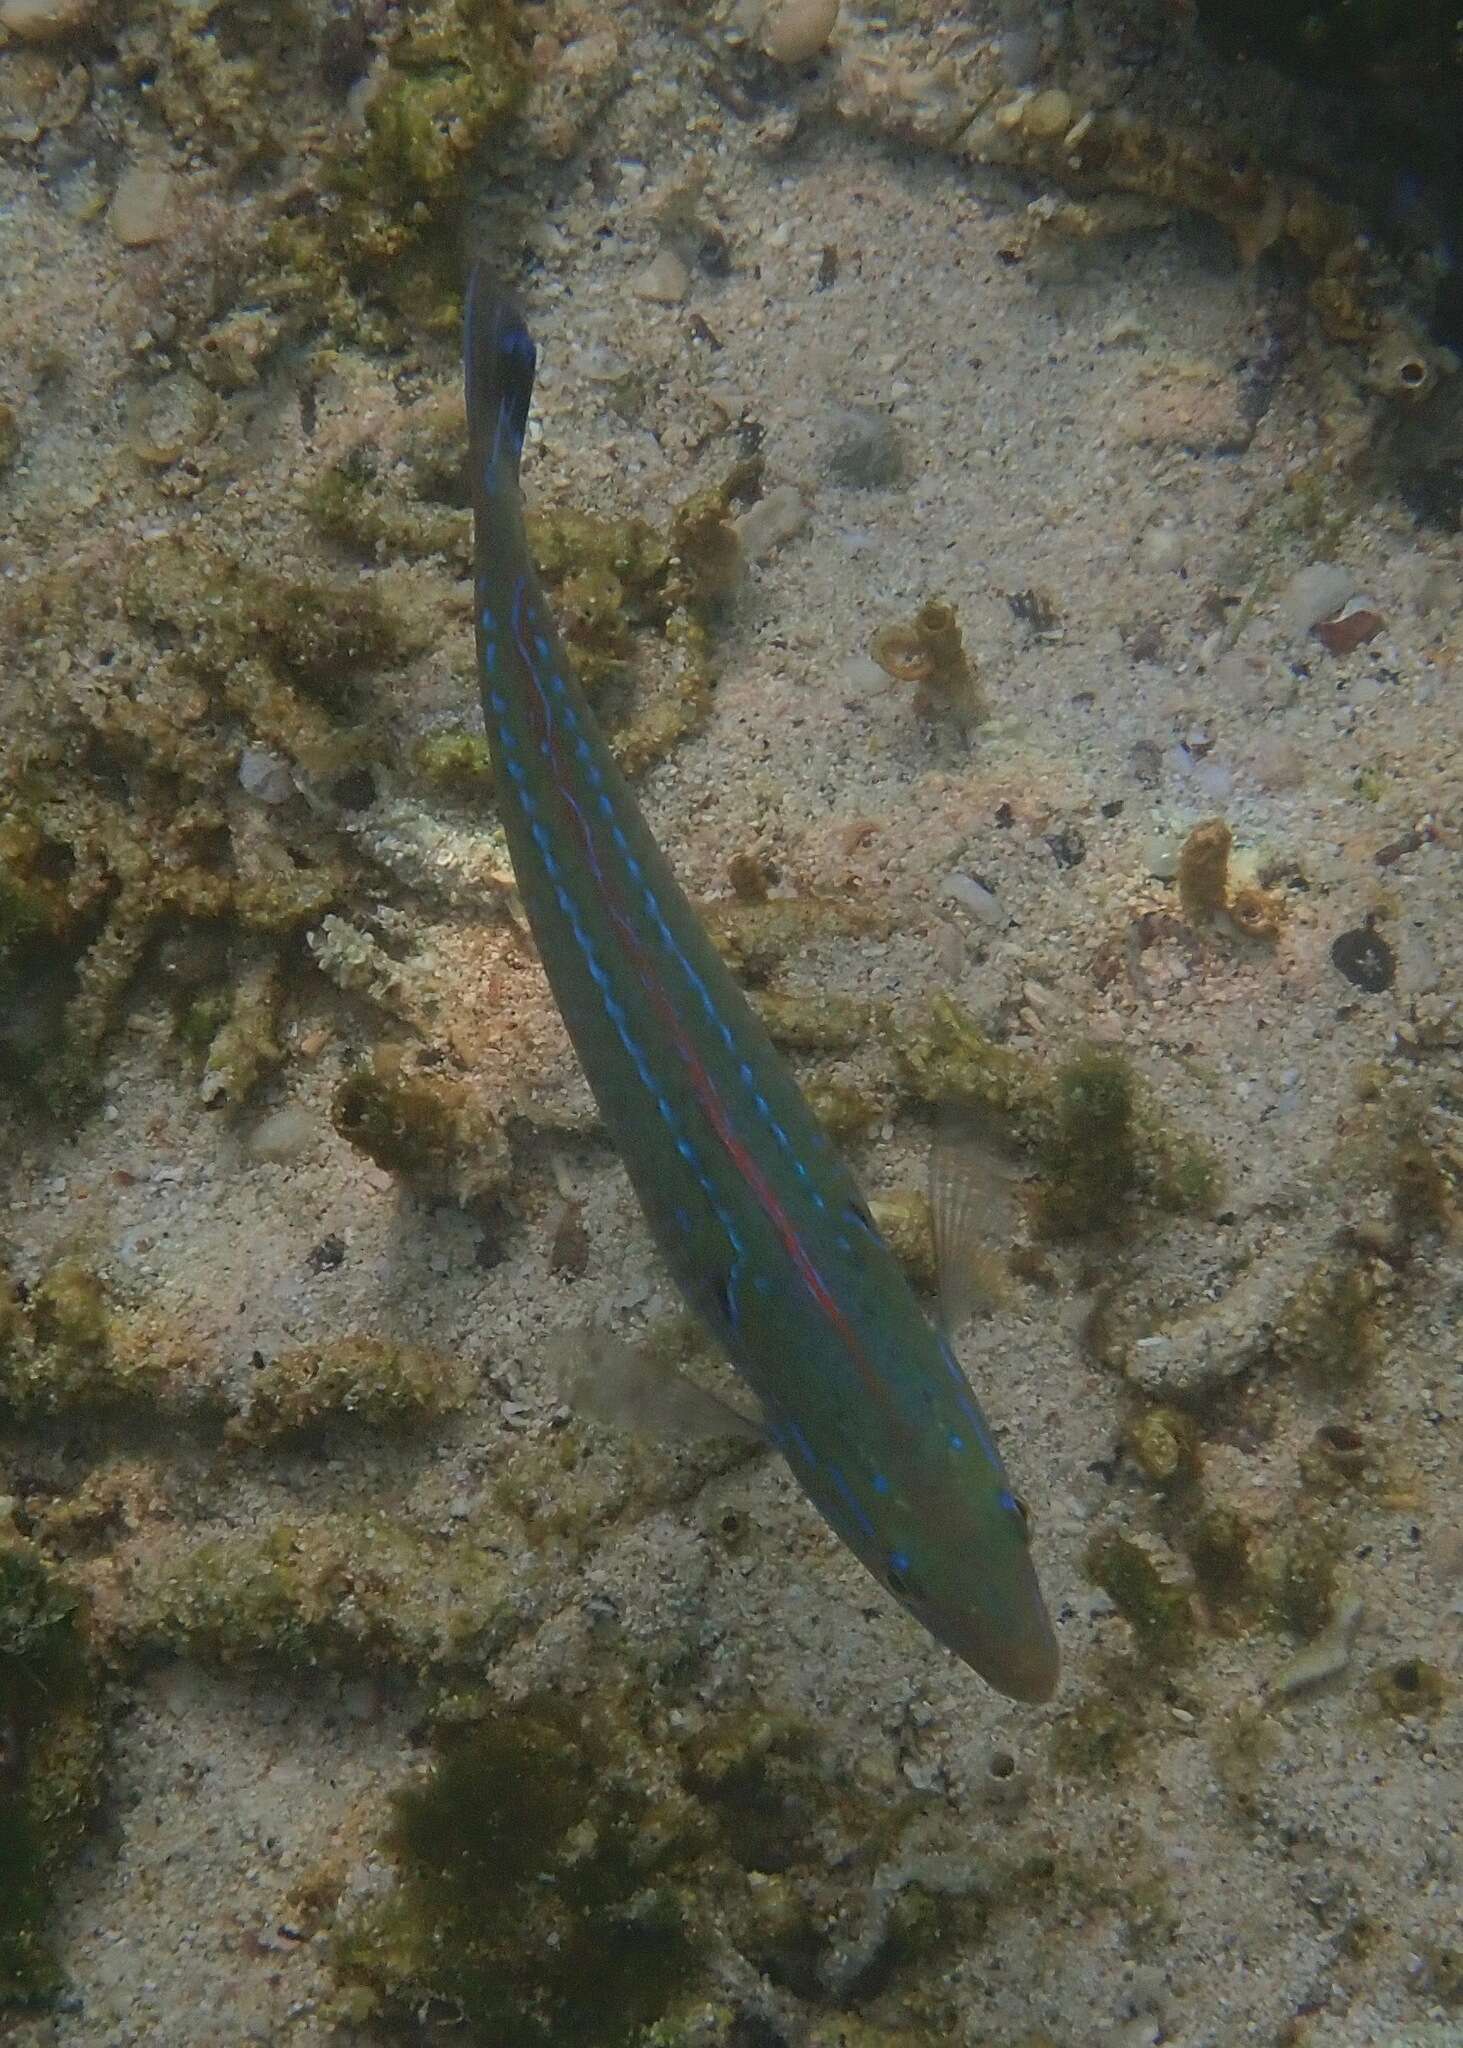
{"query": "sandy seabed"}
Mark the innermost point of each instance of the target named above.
(1115, 422)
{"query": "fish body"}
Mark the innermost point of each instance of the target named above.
(761, 1223)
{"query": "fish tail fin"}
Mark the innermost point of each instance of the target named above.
(498, 362)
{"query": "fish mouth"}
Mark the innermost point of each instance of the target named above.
(1024, 1667)
(1027, 1671)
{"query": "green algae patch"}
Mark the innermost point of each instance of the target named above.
(1220, 1544)
(431, 1130)
(1328, 1330)
(393, 1388)
(237, 1030)
(1142, 1579)
(808, 1023)
(1165, 1446)
(619, 586)
(34, 903)
(349, 1592)
(903, 1217)
(1102, 1141)
(946, 1057)
(845, 1111)
(124, 843)
(1090, 1154)
(52, 1751)
(49, 906)
(542, 1886)
(455, 763)
(1097, 1735)
(757, 939)
(69, 1351)
(390, 226)
(1298, 1573)
(217, 73)
(352, 502)
(607, 577)
(254, 634)
(579, 1871)
(405, 498)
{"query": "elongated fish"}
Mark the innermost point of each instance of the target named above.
(761, 1223)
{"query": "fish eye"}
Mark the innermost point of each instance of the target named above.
(1015, 1505)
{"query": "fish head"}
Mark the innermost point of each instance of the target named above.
(964, 1570)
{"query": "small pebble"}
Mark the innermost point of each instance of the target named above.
(1277, 763)
(765, 526)
(1212, 779)
(176, 416)
(665, 280)
(1355, 624)
(1162, 549)
(1048, 114)
(284, 1135)
(1125, 330)
(867, 452)
(265, 776)
(862, 674)
(1068, 847)
(1313, 593)
(794, 31)
(1161, 855)
(142, 206)
(973, 896)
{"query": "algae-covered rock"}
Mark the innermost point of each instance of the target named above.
(541, 1890)
(1148, 1587)
(1298, 1572)
(239, 1031)
(453, 75)
(1102, 1140)
(395, 1387)
(571, 1871)
(317, 636)
(1165, 1445)
(1090, 1154)
(455, 762)
(428, 1127)
(348, 1592)
(1328, 1329)
(52, 1749)
(122, 835)
(69, 1351)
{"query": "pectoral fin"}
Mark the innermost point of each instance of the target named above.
(972, 1211)
(600, 1376)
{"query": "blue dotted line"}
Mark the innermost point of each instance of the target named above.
(745, 1071)
(543, 839)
